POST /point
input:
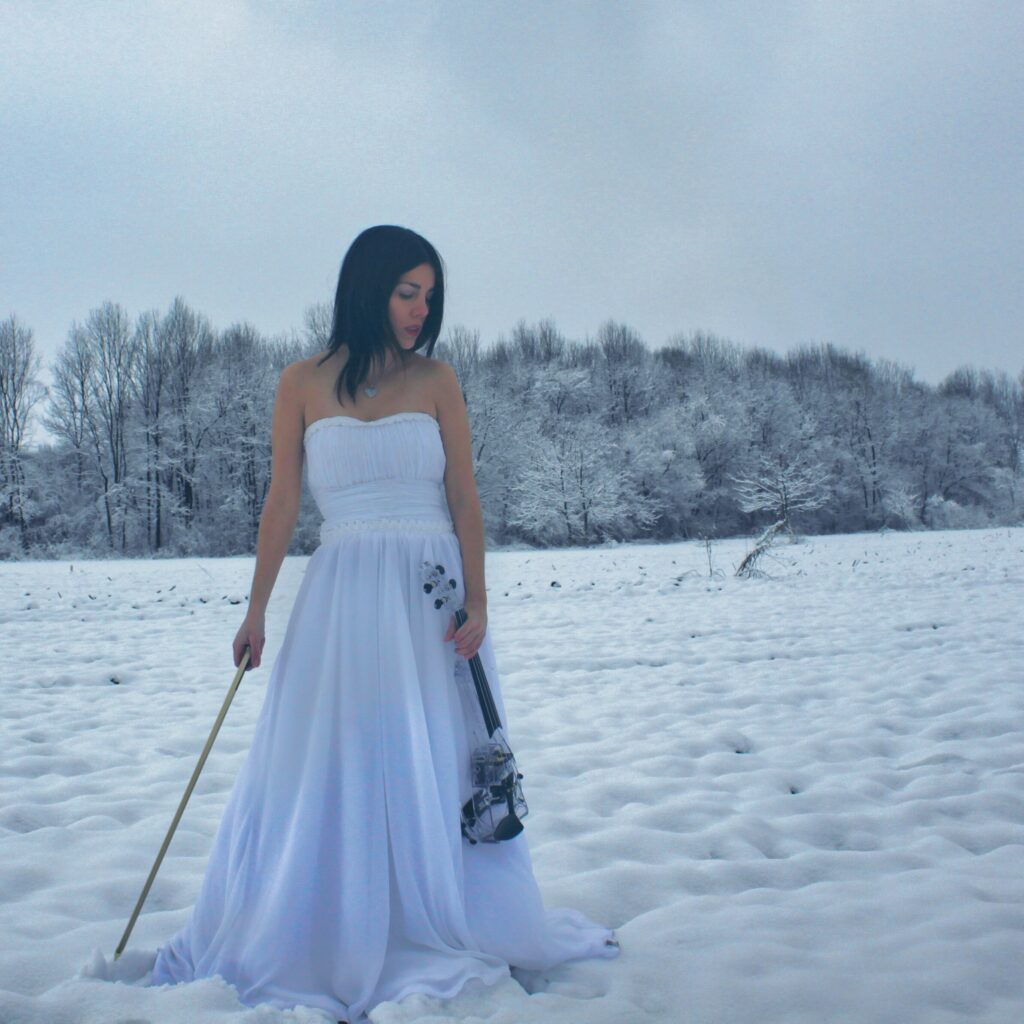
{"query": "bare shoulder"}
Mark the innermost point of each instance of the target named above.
(305, 368)
(442, 378)
(294, 377)
(303, 380)
(429, 376)
(426, 365)
(293, 382)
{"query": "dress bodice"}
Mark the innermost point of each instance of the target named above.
(383, 474)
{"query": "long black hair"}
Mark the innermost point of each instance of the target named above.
(369, 273)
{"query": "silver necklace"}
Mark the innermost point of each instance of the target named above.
(371, 389)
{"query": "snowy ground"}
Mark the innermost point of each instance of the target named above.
(797, 799)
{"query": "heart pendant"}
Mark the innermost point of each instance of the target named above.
(370, 390)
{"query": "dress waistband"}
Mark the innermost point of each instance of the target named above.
(404, 506)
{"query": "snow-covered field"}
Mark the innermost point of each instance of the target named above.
(798, 799)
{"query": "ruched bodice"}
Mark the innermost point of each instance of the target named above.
(383, 474)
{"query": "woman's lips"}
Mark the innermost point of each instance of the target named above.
(412, 330)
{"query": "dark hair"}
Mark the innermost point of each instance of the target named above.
(369, 272)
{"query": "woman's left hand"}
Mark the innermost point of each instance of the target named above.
(470, 635)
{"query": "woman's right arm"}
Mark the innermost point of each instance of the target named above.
(280, 510)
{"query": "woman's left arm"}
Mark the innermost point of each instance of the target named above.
(464, 506)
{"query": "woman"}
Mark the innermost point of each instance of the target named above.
(339, 877)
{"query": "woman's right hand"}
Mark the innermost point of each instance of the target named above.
(250, 633)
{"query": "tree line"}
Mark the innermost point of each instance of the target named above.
(161, 429)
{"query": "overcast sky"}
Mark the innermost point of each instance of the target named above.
(776, 174)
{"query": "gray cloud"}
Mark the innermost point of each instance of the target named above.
(774, 173)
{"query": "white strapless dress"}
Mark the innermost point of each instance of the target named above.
(338, 877)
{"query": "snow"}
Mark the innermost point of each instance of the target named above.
(797, 798)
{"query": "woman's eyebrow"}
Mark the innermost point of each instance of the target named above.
(413, 284)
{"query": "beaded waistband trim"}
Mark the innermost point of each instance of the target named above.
(329, 531)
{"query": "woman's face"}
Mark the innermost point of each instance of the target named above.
(410, 303)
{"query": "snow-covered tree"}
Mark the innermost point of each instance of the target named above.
(162, 437)
(782, 484)
(20, 391)
(572, 489)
